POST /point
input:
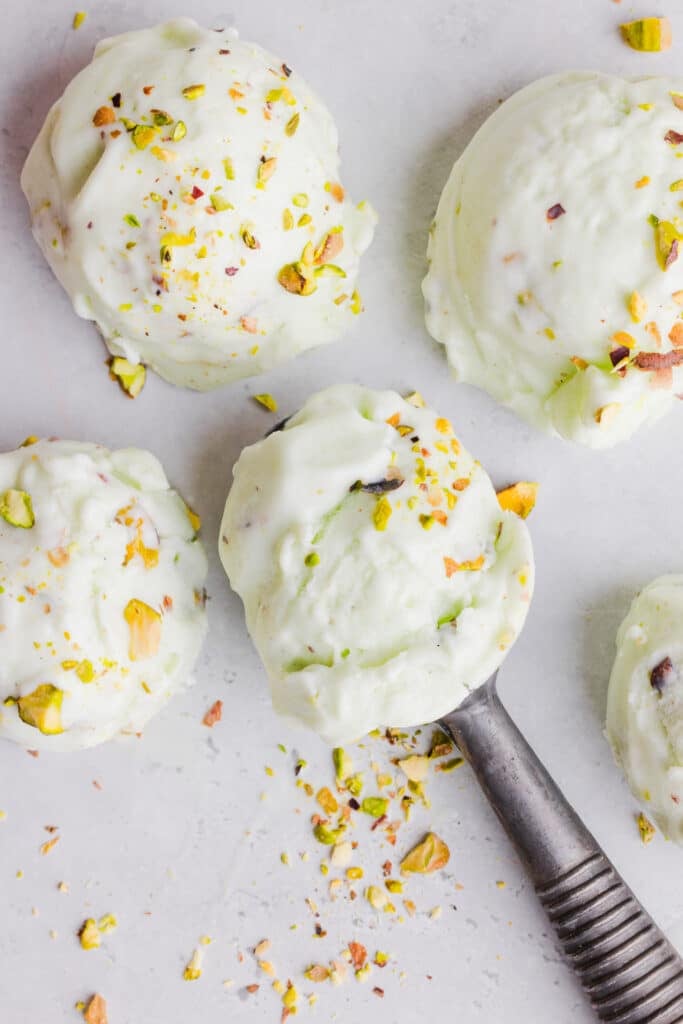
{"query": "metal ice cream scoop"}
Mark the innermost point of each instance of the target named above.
(629, 971)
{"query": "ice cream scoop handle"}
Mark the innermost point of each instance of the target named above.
(630, 972)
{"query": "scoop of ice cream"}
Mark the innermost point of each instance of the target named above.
(185, 191)
(555, 281)
(645, 702)
(380, 576)
(101, 599)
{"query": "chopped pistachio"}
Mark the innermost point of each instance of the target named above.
(375, 806)
(142, 135)
(161, 118)
(354, 783)
(130, 376)
(327, 800)
(287, 220)
(193, 970)
(42, 709)
(449, 766)
(144, 624)
(667, 240)
(376, 897)
(440, 745)
(78, 19)
(382, 513)
(267, 401)
(266, 169)
(637, 306)
(219, 202)
(415, 767)
(341, 854)
(248, 238)
(193, 92)
(16, 508)
(394, 886)
(89, 935)
(328, 836)
(179, 131)
(647, 34)
(519, 498)
(646, 828)
(317, 973)
(343, 765)
(292, 124)
(229, 169)
(431, 854)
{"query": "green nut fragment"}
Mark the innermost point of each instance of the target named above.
(330, 270)
(131, 220)
(328, 836)
(375, 806)
(441, 745)
(650, 35)
(667, 240)
(220, 203)
(297, 278)
(312, 559)
(451, 765)
(130, 376)
(266, 169)
(16, 508)
(41, 709)
(376, 897)
(143, 134)
(89, 935)
(179, 131)
(229, 169)
(193, 92)
(160, 117)
(354, 783)
(415, 767)
(292, 124)
(431, 854)
(248, 238)
(343, 765)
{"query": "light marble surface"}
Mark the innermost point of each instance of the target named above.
(178, 843)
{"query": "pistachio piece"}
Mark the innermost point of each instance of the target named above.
(292, 124)
(193, 92)
(519, 498)
(266, 170)
(16, 508)
(327, 800)
(382, 513)
(376, 897)
(343, 765)
(248, 238)
(130, 376)
(328, 836)
(41, 709)
(144, 624)
(637, 307)
(375, 806)
(220, 203)
(646, 828)
(294, 278)
(179, 131)
(317, 973)
(89, 934)
(431, 854)
(666, 242)
(649, 35)
(331, 245)
(415, 767)
(143, 134)
(441, 745)
(193, 969)
(78, 19)
(267, 401)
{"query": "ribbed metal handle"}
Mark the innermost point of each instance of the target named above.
(630, 972)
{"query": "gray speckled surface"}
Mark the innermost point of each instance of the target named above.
(178, 842)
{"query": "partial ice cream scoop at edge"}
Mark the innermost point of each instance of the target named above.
(645, 702)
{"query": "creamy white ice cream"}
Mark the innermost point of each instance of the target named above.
(381, 579)
(645, 702)
(185, 191)
(101, 593)
(555, 281)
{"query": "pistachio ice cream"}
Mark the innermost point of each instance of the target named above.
(555, 281)
(380, 576)
(185, 191)
(645, 702)
(101, 593)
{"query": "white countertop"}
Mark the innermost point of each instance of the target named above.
(177, 842)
